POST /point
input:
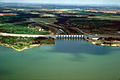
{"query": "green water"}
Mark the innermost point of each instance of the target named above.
(67, 60)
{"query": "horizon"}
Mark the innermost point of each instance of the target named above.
(91, 5)
(68, 2)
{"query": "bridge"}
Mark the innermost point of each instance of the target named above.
(86, 36)
(69, 36)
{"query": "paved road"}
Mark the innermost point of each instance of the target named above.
(104, 36)
(26, 35)
(53, 36)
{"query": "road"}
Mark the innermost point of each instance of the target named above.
(55, 29)
(26, 35)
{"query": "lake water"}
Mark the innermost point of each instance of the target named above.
(67, 60)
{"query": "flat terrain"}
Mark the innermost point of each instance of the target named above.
(44, 21)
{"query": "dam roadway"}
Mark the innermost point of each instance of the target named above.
(58, 36)
(26, 35)
(46, 36)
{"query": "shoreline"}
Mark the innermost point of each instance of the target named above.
(31, 46)
(106, 44)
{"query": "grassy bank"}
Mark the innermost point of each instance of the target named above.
(24, 42)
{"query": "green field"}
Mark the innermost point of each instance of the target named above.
(21, 29)
(100, 15)
(107, 17)
(46, 20)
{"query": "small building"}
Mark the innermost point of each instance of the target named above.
(95, 38)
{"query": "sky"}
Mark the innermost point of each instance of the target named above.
(73, 2)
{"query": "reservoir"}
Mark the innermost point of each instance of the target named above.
(69, 59)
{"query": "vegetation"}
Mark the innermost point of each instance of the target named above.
(93, 13)
(91, 23)
(10, 19)
(47, 20)
(104, 42)
(21, 29)
(71, 21)
(23, 42)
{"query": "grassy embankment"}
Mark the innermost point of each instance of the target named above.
(20, 43)
(105, 42)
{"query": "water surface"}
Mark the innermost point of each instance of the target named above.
(67, 60)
